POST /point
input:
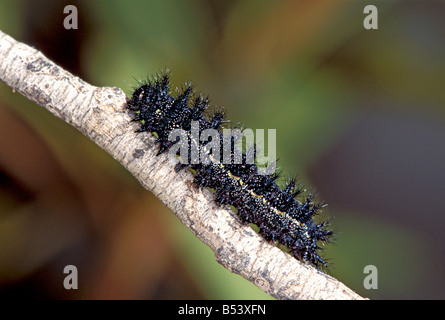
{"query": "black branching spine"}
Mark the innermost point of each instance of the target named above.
(279, 216)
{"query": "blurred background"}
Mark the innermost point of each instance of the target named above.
(359, 114)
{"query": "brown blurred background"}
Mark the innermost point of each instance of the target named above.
(360, 117)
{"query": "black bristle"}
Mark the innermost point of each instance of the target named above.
(257, 198)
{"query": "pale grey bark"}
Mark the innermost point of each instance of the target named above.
(100, 114)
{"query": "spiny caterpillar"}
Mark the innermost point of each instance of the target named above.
(258, 200)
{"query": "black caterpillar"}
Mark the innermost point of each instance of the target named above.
(257, 198)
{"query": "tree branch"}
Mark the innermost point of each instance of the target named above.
(100, 114)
